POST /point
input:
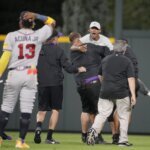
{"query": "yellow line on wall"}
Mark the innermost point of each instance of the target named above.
(2, 37)
(63, 39)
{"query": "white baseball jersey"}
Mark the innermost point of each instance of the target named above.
(102, 41)
(25, 45)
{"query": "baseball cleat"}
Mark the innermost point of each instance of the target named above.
(91, 136)
(21, 144)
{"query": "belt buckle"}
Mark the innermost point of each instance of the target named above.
(94, 81)
(20, 68)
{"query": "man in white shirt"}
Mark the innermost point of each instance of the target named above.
(95, 37)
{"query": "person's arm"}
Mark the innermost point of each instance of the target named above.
(46, 19)
(68, 66)
(131, 55)
(81, 48)
(100, 73)
(46, 31)
(108, 44)
(4, 60)
(103, 51)
(131, 82)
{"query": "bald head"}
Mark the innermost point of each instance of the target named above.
(120, 46)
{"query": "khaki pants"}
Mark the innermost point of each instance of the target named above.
(105, 108)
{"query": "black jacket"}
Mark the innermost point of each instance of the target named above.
(51, 60)
(116, 69)
(91, 60)
(131, 55)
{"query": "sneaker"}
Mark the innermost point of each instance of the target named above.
(51, 141)
(125, 144)
(84, 139)
(6, 137)
(37, 137)
(115, 139)
(91, 136)
(25, 145)
(100, 140)
(21, 144)
(1, 140)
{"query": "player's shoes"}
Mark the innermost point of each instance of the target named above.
(125, 144)
(99, 140)
(25, 145)
(37, 137)
(21, 144)
(115, 139)
(84, 139)
(91, 136)
(6, 137)
(1, 140)
(51, 141)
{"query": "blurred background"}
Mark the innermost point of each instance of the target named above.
(75, 15)
(128, 19)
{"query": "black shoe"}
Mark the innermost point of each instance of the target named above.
(51, 141)
(99, 141)
(115, 139)
(125, 144)
(37, 137)
(84, 139)
(91, 136)
(6, 137)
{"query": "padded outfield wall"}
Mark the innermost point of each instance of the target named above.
(70, 115)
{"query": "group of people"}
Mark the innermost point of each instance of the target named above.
(106, 76)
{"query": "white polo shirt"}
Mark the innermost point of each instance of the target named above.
(102, 41)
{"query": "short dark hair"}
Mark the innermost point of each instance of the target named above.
(73, 36)
(26, 23)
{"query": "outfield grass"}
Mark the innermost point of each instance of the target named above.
(73, 142)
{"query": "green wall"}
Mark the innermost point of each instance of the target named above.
(70, 114)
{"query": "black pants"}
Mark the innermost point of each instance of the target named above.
(89, 94)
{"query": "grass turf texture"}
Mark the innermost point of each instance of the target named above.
(70, 141)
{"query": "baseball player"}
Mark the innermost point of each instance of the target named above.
(20, 52)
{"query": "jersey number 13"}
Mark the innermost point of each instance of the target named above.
(26, 52)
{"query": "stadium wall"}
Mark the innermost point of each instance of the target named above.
(70, 114)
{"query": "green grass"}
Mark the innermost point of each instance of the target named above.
(73, 142)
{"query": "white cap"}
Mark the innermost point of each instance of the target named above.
(95, 24)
